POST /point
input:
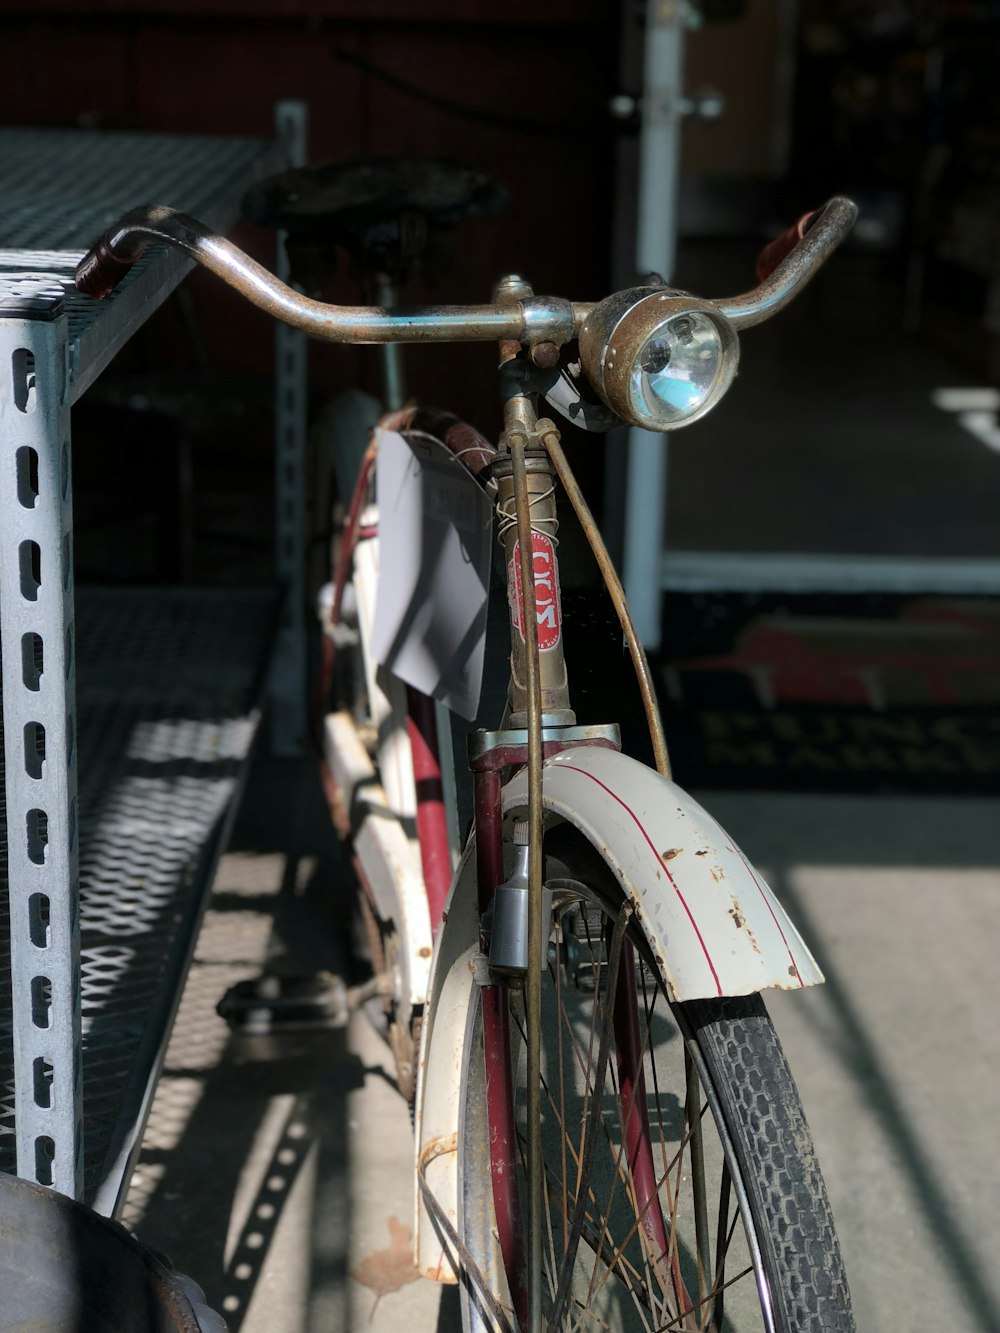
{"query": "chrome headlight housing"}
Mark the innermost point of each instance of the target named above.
(659, 358)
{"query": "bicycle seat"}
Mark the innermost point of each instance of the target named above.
(382, 211)
(347, 196)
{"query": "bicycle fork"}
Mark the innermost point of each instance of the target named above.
(541, 723)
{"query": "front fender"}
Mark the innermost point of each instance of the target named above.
(714, 925)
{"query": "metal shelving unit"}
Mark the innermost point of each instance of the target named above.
(153, 700)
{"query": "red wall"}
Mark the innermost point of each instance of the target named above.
(519, 91)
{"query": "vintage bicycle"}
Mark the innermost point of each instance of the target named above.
(607, 1134)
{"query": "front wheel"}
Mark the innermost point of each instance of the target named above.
(681, 1189)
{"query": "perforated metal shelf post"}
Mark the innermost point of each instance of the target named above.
(82, 1025)
(168, 684)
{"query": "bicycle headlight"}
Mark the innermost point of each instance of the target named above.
(657, 357)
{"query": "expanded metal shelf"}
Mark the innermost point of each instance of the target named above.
(63, 188)
(127, 717)
(168, 691)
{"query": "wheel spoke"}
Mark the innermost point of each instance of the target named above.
(671, 1260)
(603, 1245)
(677, 1322)
(589, 1141)
(614, 1262)
(554, 1263)
(588, 1233)
(626, 1175)
(714, 1312)
(603, 1238)
(637, 1222)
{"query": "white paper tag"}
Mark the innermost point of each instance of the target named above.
(434, 533)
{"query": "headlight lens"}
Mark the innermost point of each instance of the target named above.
(658, 358)
(677, 368)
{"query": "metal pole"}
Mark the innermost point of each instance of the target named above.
(38, 642)
(659, 172)
(289, 712)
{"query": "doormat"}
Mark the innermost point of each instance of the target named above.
(832, 693)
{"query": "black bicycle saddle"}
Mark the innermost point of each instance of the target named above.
(382, 211)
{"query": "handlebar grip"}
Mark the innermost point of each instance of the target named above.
(101, 270)
(772, 254)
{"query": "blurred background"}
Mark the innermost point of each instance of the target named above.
(839, 444)
(818, 567)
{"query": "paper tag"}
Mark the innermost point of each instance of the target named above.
(434, 532)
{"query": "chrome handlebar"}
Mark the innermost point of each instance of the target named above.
(530, 321)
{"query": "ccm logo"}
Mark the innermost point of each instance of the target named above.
(546, 578)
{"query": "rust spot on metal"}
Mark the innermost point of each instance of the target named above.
(425, 951)
(439, 1146)
(671, 853)
(717, 874)
(702, 852)
(545, 354)
(740, 922)
(792, 972)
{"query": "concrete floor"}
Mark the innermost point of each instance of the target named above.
(897, 1056)
(278, 1174)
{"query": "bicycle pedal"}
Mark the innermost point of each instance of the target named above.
(272, 1003)
(585, 951)
(586, 922)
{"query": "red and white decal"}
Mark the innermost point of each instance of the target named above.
(548, 612)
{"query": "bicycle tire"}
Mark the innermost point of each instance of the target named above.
(790, 1275)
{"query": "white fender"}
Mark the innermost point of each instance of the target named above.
(714, 926)
(439, 1070)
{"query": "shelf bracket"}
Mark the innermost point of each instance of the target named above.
(37, 636)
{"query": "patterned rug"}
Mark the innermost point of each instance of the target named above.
(833, 692)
